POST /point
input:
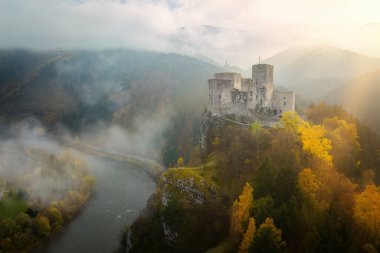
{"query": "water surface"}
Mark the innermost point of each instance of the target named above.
(121, 192)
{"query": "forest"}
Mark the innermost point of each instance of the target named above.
(308, 185)
(42, 198)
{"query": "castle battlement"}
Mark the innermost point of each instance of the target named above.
(249, 98)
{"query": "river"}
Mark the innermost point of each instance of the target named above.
(121, 192)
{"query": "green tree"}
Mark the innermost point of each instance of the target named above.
(262, 208)
(264, 179)
(6, 244)
(7, 228)
(23, 221)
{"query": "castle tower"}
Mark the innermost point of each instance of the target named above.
(220, 88)
(262, 76)
(252, 99)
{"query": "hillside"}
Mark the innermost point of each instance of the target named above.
(305, 186)
(314, 71)
(79, 89)
(360, 97)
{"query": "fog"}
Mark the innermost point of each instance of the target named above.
(18, 140)
(233, 31)
(144, 140)
(21, 169)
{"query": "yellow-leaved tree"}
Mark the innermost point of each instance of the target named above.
(291, 120)
(242, 233)
(345, 145)
(313, 137)
(312, 188)
(315, 142)
(367, 213)
(240, 211)
(249, 235)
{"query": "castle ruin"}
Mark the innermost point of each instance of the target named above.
(249, 99)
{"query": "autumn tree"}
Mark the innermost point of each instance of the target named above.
(41, 226)
(367, 213)
(248, 236)
(268, 238)
(345, 145)
(240, 211)
(291, 120)
(315, 142)
(54, 216)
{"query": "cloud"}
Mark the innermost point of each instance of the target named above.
(237, 31)
(89, 24)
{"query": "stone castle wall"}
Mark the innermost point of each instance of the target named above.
(252, 98)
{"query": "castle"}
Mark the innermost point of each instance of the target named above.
(249, 99)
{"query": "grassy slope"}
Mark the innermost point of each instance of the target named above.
(11, 206)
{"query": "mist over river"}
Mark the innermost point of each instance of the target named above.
(121, 192)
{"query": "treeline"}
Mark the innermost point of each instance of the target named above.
(305, 186)
(67, 185)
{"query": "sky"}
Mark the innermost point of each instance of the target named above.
(233, 31)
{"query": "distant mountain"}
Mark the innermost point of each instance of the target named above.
(314, 71)
(64, 83)
(360, 96)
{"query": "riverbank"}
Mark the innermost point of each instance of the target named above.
(153, 168)
(121, 192)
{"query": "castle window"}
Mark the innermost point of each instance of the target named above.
(251, 93)
(284, 103)
(257, 97)
(220, 96)
(261, 101)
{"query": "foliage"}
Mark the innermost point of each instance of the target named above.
(248, 236)
(314, 141)
(32, 219)
(367, 213)
(316, 179)
(345, 145)
(11, 205)
(291, 120)
(240, 211)
(268, 238)
(180, 162)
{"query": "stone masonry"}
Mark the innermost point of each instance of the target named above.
(249, 99)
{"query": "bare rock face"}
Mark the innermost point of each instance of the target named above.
(180, 189)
